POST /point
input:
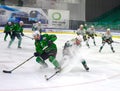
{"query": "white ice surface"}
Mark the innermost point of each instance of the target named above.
(104, 74)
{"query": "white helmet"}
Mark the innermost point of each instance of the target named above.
(21, 22)
(39, 22)
(9, 23)
(81, 25)
(92, 26)
(79, 38)
(108, 29)
(36, 33)
(85, 24)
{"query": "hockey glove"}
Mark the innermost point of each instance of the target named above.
(22, 34)
(36, 54)
(4, 31)
(50, 43)
(110, 42)
(95, 34)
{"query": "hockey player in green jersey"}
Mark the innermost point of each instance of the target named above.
(46, 49)
(17, 32)
(7, 30)
(107, 38)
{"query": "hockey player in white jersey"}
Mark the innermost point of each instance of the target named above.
(91, 33)
(107, 38)
(71, 50)
(37, 27)
(81, 31)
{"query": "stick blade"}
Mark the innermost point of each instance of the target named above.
(5, 71)
(46, 78)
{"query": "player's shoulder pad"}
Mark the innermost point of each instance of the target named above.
(53, 35)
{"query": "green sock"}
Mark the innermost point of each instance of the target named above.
(54, 61)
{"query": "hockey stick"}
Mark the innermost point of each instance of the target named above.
(116, 42)
(28, 37)
(5, 71)
(47, 78)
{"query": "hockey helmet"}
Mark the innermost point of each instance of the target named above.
(81, 25)
(92, 26)
(39, 22)
(9, 23)
(108, 29)
(79, 38)
(21, 22)
(36, 33)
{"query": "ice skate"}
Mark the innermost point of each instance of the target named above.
(94, 44)
(19, 47)
(113, 51)
(85, 65)
(58, 69)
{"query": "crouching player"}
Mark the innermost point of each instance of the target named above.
(70, 51)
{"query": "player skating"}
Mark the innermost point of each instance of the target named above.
(81, 31)
(107, 38)
(7, 30)
(37, 27)
(91, 33)
(71, 51)
(17, 31)
(46, 49)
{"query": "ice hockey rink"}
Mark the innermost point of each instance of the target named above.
(104, 73)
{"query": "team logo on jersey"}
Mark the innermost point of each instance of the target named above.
(44, 38)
